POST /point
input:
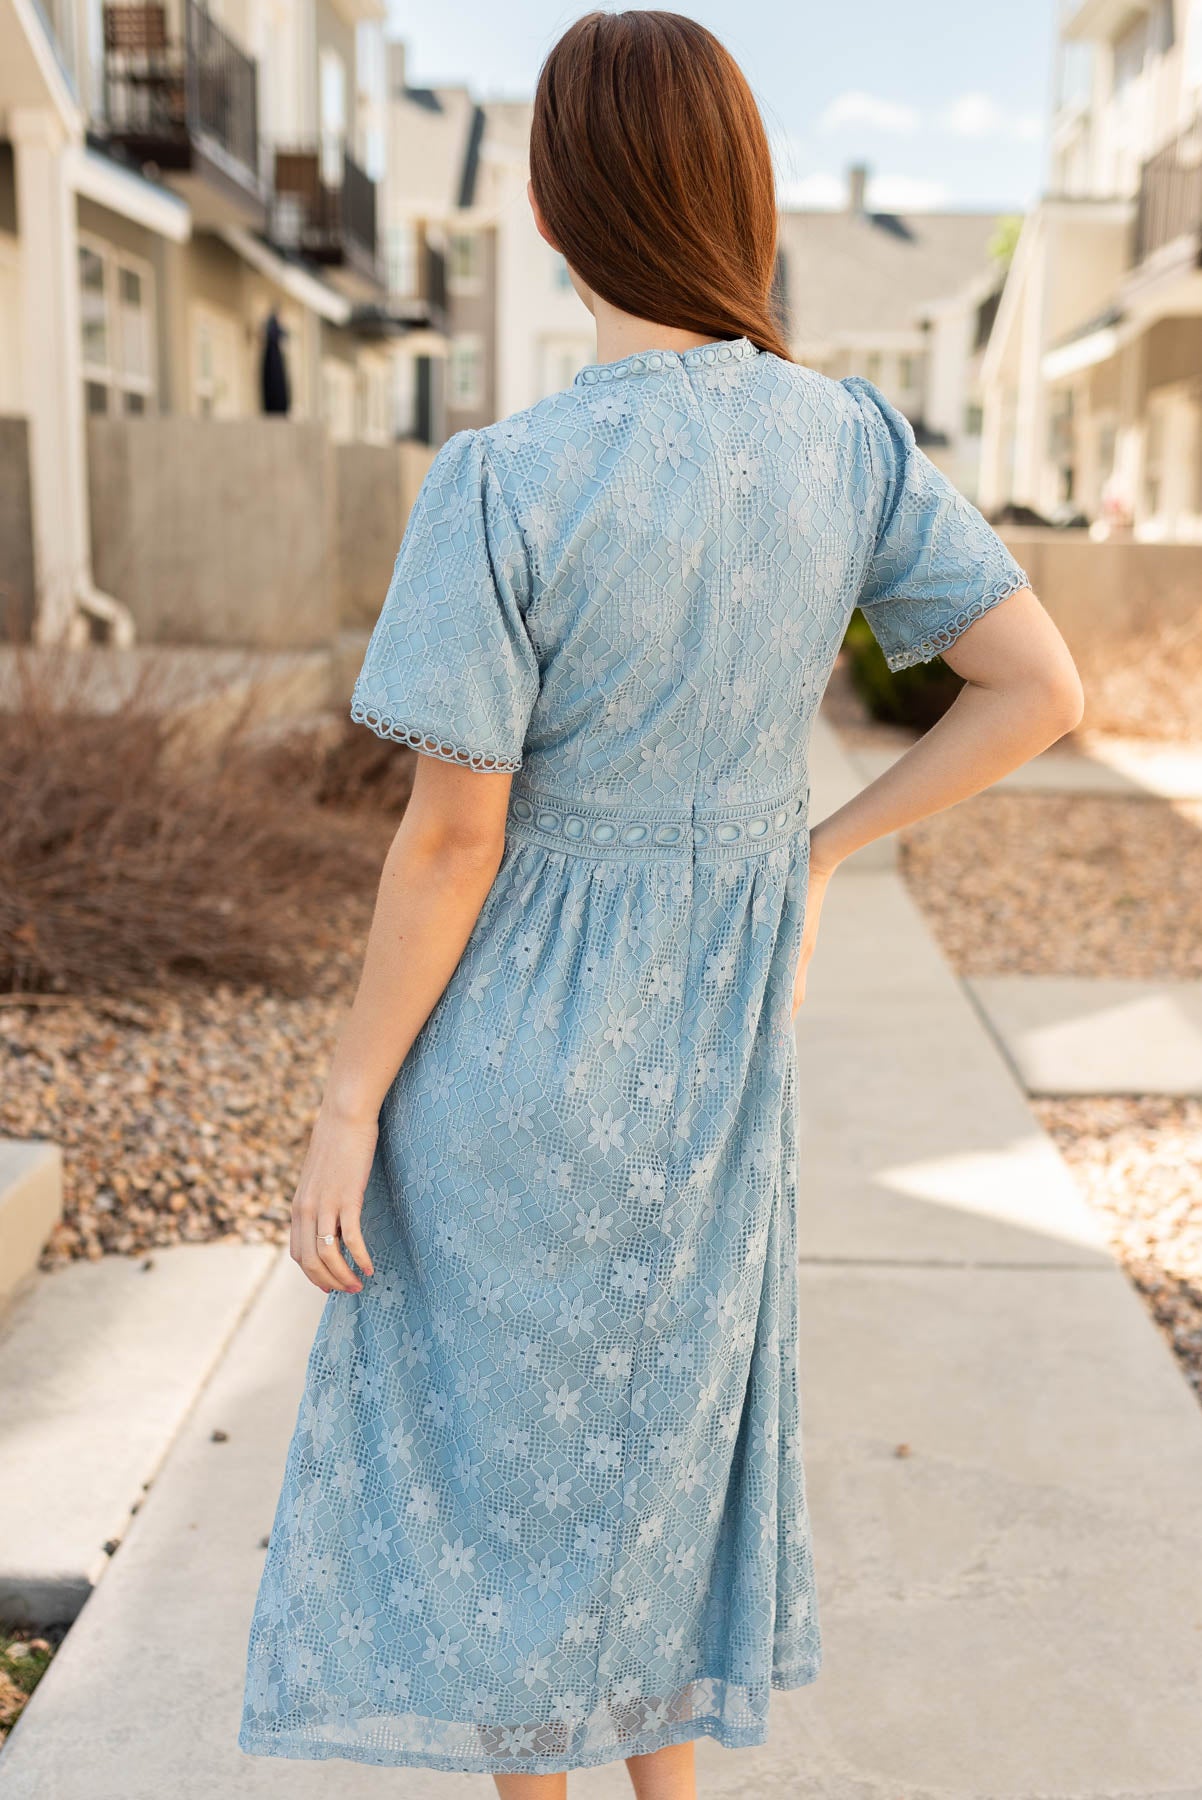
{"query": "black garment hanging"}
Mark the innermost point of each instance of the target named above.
(274, 370)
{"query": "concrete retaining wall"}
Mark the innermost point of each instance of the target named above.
(1109, 594)
(214, 531)
(254, 532)
(16, 532)
(374, 488)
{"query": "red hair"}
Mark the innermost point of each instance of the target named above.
(651, 168)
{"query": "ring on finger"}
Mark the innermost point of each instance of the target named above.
(331, 1237)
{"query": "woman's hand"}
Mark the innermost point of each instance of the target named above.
(329, 1200)
(819, 875)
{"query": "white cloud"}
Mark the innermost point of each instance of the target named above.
(867, 110)
(812, 192)
(822, 191)
(906, 193)
(980, 116)
(973, 115)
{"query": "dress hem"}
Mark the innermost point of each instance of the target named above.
(294, 1746)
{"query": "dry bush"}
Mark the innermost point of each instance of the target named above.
(1148, 687)
(151, 842)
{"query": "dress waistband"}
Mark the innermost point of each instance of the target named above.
(590, 828)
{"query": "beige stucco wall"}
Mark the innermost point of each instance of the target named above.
(251, 532)
(206, 272)
(1174, 351)
(1111, 594)
(374, 488)
(216, 532)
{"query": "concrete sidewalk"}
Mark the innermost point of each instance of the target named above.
(1012, 1609)
(1086, 1034)
(1113, 768)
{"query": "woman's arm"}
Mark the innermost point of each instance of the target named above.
(437, 874)
(1021, 693)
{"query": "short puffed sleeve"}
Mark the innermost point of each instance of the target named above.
(449, 669)
(935, 565)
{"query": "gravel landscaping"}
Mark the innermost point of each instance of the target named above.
(182, 1116)
(1050, 884)
(1139, 1162)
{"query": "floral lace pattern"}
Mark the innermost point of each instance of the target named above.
(544, 1503)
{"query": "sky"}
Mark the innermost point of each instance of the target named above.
(945, 100)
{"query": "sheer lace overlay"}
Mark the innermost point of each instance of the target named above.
(544, 1502)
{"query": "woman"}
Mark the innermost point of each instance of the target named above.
(544, 1503)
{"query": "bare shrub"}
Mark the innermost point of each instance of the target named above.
(142, 840)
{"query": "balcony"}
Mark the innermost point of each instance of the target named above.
(324, 209)
(187, 107)
(1099, 20)
(414, 305)
(1169, 207)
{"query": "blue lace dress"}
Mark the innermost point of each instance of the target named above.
(544, 1502)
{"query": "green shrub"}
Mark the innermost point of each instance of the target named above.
(914, 697)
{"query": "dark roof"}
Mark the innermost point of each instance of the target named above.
(471, 158)
(848, 272)
(426, 97)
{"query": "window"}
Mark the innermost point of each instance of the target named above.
(332, 101)
(560, 275)
(559, 359)
(872, 367)
(1075, 75)
(1130, 53)
(117, 330)
(464, 262)
(374, 402)
(215, 384)
(974, 419)
(466, 371)
(905, 373)
(338, 399)
(1061, 416)
(402, 258)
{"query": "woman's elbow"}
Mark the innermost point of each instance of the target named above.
(1064, 698)
(459, 847)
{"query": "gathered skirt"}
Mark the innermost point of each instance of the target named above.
(544, 1502)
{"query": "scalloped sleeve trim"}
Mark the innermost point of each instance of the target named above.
(430, 743)
(945, 635)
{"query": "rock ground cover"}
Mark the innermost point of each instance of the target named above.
(182, 1117)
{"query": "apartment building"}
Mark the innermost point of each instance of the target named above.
(1093, 377)
(189, 224)
(459, 234)
(906, 300)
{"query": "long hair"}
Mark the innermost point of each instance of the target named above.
(651, 168)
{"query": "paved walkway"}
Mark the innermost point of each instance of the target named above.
(1115, 767)
(1078, 1034)
(1012, 1609)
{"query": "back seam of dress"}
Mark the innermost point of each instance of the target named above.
(655, 1269)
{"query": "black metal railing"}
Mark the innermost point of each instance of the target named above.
(324, 205)
(1170, 194)
(223, 88)
(163, 95)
